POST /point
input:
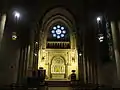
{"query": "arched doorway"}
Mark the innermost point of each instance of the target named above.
(58, 68)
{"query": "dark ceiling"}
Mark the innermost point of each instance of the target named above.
(33, 6)
(35, 9)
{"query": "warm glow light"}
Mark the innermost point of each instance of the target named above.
(43, 51)
(80, 54)
(36, 42)
(35, 54)
(72, 65)
(14, 36)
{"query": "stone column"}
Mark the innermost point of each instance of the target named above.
(119, 28)
(96, 72)
(21, 65)
(25, 61)
(2, 26)
(28, 62)
(116, 47)
(84, 69)
(81, 68)
(90, 71)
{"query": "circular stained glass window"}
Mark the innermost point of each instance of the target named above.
(58, 31)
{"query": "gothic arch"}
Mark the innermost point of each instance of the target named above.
(58, 65)
(58, 11)
(53, 16)
(58, 56)
(50, 19)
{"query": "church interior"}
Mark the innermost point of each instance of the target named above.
(58, 39)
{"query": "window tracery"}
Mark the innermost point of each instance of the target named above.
(58, 31)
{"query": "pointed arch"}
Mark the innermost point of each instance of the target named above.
(53, 16)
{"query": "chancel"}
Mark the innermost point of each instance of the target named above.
(59, 44)
(58, 52)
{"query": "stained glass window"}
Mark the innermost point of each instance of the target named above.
(58, 31)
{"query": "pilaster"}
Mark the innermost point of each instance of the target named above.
(116, 46)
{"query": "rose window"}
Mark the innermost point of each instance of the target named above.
(58, 31)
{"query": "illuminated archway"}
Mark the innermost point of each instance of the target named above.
(57, 38)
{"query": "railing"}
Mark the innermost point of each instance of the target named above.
(58, 45)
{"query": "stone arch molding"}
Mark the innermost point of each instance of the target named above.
(58, 60)
(58, 11)
(58, 65)
(53, 16)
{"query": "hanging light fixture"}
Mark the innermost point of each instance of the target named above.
(14, 36)
(35, 54)
(80, 54)
(36, 42)
(100, 35)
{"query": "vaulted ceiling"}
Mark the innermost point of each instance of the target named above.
(75, 6)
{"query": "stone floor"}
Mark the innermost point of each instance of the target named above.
(59, 88)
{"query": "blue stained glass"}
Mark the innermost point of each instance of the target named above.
(53, 31)
(58, 36)
(62, 28)
(58, 26)
(54, 28)
(58, 31)
(64, 31)
(62, 35)
(54, 35)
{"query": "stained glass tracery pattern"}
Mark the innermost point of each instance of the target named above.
(58, 31)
